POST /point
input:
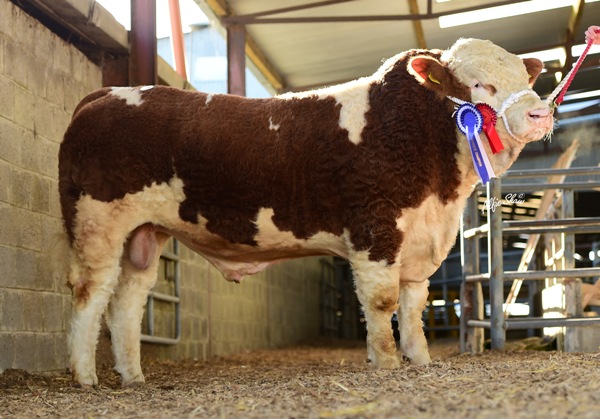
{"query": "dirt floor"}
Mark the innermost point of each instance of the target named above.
(325, 380)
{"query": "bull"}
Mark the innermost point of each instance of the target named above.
(374, 171)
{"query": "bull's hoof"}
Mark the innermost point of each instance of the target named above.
(87, 382)
(389, 362)
(134, 382)
(418, 360)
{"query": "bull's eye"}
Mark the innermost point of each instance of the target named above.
(488, 87)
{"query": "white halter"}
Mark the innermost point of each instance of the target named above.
(511, 100)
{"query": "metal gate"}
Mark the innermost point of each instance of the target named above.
(472, 320)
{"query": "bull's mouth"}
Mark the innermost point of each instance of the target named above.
(543, 131)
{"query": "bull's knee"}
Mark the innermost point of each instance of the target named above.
(377, 290)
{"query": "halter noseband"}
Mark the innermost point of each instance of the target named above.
(511, 100)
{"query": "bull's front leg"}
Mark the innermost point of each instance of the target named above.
(377, 290)
(413, 296)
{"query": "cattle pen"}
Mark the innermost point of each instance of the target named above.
(290, 342)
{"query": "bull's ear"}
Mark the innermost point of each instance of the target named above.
(430, 72)
(534, 68)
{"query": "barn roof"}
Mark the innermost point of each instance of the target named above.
(301, 44)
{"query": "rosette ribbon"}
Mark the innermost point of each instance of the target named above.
(470, 122)
(489, 126)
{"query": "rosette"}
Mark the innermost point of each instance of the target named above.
(489, 123)
(470, 122)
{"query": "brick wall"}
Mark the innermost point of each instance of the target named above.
(42, 78)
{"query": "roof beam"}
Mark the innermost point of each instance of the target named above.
(222, 10)
(417, 24)
(250, 19)
(298, 7)
(574, 20)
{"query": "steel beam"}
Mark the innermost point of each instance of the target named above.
(143, 61)
(236, 60)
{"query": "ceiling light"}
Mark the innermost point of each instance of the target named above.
(583, 95)
(547, 55)
(500, 12)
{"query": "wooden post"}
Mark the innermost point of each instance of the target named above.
(236, 59)
(143, 62)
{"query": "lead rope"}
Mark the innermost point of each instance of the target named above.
(563, 86)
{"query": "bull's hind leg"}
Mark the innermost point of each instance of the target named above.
(413, 296)
(377, 291)
(126, 308)
(94, 269)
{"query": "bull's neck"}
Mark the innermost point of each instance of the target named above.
(501, 161)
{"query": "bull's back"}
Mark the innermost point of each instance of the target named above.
(234, 155)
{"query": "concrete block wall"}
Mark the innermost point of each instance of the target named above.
(42, 78)
(277, 307)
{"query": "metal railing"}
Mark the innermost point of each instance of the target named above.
(472, 303)
(174, 299)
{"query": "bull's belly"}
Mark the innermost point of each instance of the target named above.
(235, 261)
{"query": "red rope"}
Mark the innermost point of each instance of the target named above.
(562, 93)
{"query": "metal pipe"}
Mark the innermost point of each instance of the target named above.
(539, 322)
(471, 296)
(174, 299)
(576, 171)
(539, 275)
(177, 38)
(572, 225)
(496, 268)
(528, 187)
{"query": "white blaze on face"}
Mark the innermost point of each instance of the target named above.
(493, 75)
(208, 98)
(131, 95)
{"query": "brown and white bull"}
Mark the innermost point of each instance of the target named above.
(373, 171)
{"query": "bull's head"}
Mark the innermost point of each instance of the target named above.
(491, 75)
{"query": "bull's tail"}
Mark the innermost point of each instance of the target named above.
(58, 255)
(69, 189)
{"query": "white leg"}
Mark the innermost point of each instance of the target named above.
(377, 291)
(413, 296)
(92, 289)
(125, 312)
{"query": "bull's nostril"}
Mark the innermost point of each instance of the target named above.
(539, 114)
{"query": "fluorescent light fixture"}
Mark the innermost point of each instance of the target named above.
(547, 55)
(583, 95)
(577, 50)
(499, 12)
(574, 107)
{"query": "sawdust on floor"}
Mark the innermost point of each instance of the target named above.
(324, 380)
